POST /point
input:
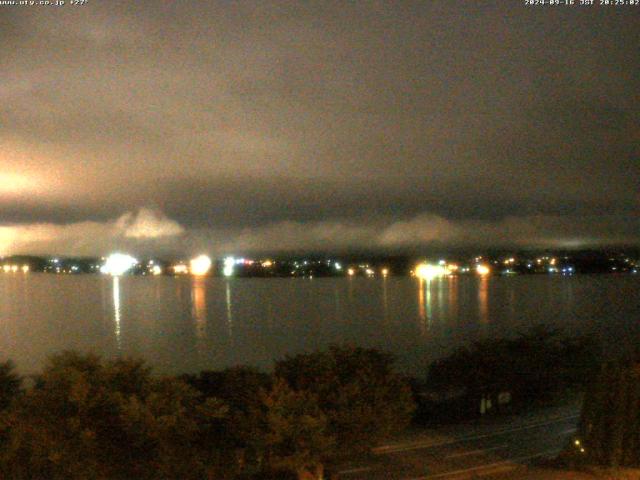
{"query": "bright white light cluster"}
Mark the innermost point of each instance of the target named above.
(483, 270)
(426, 271)
(200, 265)
(229, 262)
(118, 264)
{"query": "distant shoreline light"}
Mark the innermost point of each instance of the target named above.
(427, 271)
(483, 270)
(118, 264)
(200, 265)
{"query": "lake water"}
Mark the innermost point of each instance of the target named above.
(187, 324)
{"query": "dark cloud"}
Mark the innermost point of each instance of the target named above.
(370, 124)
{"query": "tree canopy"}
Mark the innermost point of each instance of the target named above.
(532, 366)
(87, 418)
(357, 389)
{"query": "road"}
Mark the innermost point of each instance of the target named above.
(481, 449)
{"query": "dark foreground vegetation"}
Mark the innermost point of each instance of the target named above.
(609, 433)
(86, 418)
(537, 367)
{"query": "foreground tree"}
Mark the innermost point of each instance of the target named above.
(294, 432)
(271, 431)
(238, 437)
(363, 398)
(609, 432)
(531, 367)
(89, 419)
(10, 384)
(86, 418)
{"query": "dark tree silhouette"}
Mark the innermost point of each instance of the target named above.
(357, 389)
(609, 432)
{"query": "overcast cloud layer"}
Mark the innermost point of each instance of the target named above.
(269, 126)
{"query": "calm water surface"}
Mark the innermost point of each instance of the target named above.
(189, 324)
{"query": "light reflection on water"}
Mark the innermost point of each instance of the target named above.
(385, 299)
(425, 303)
(187, 324)
(483, 299)
(199, 311)
(117, 314)
(229, 308)
(453, 297)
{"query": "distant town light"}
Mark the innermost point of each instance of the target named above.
(180, 269)
(200, 265)
(118, 264)
(338, 266)
(483, 270)
(351, 272)
(227, 270)
(25, 268)
(427, 271)
(156, 270)
(385, 272)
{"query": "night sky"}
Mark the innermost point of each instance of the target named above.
(233, 127)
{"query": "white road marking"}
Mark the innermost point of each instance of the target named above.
(475, 452)
(487, 466)
(420, 445)
(355, 470)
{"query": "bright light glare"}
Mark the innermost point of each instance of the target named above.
(180, 269)
(25, 268)
(200, 265)
(16, 183)
(427, 271)
(483, 270)
(385, 272)
(227, 270)
(156, 270)
(118, 264)
(351, 272)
